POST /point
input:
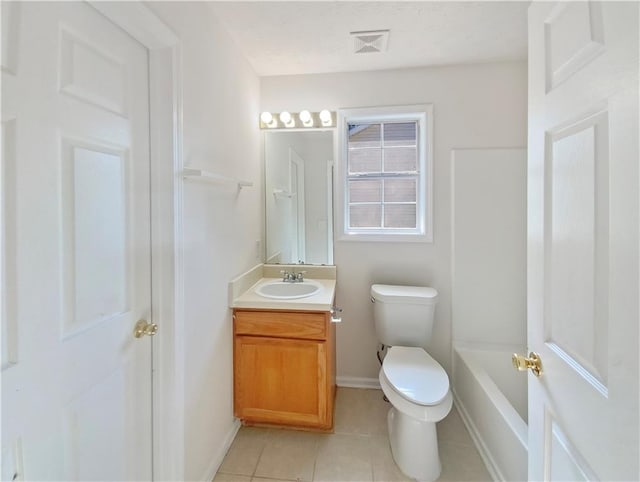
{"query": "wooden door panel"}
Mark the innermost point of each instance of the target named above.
(97, 239)
(574, 36)
(91, 74)
(577, 244)
(8, 245)
(565, 463)
(10, 37)
(10, 335)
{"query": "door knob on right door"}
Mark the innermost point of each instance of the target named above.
(522, 363)
(143, 327)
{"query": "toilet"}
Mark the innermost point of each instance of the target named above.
(416, 385)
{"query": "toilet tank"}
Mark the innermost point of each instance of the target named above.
(403, 315)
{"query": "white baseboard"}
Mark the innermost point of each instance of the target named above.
(357, 382)
(486, 456)
(211, 471)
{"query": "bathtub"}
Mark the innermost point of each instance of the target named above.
(492, 400)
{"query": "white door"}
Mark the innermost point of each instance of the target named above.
(583, 240)
(330, 165)
(76, 384)
(298, 223)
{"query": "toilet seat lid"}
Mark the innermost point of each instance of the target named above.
(415, 375)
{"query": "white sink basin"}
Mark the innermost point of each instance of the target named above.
(280, 290)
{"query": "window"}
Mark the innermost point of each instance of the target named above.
(385, 174)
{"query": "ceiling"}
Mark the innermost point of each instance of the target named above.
(291, 37)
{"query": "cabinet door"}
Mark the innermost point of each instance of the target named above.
(281, 381)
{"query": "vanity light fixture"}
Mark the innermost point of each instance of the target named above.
(305, 119)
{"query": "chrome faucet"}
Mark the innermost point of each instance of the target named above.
(292, 277)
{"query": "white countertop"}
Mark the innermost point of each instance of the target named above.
(321, 301)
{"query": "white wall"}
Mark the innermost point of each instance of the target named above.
(221, 226)
(489, 253)
(475, 106)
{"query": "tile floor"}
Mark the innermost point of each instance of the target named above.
(358, 450)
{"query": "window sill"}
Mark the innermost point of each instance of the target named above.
(386, 238)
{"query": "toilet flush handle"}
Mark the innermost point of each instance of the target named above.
(373, 300)
(334, 314)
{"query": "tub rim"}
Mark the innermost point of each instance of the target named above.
(508, 412)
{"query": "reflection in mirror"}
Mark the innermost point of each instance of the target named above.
(299, 196)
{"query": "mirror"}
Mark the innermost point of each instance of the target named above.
(299, 196)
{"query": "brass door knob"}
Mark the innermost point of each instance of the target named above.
(143, 327)
(533, 362)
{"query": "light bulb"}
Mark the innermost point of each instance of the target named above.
(305, 118)
(286, 119)
(325, 117)
(267, 119)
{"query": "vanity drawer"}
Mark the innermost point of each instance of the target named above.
(282, 324)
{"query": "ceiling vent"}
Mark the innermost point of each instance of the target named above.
(369, 42)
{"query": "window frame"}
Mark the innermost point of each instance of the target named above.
(423, 115)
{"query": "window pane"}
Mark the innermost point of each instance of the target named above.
(400, 190)
(365, 191)
(365, 216)
(400, 159)
(400, 215)
(400, 134)
(364, 135)
(365, 160)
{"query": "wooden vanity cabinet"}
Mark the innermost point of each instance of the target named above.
(284, 368)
